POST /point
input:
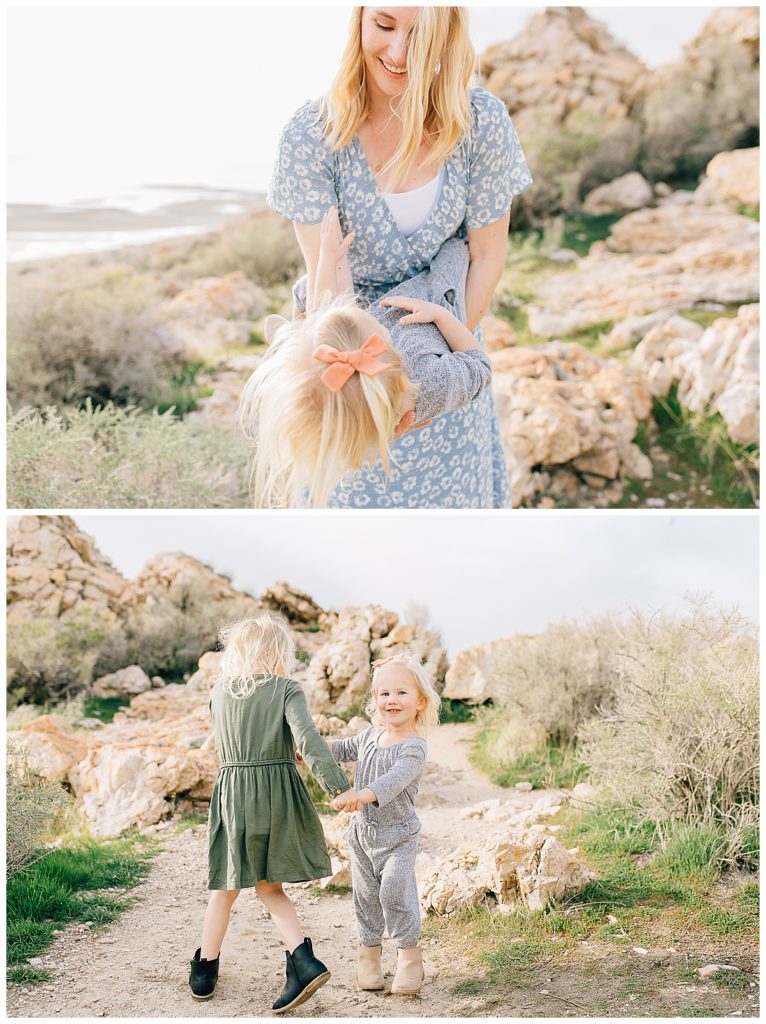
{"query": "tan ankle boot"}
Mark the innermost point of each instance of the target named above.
(369, 972)
(409, 972)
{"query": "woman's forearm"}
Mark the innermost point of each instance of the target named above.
(484, 274)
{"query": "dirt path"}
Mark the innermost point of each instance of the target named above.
(139, 965)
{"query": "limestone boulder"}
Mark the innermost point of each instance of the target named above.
(51, 747)
(175, 576)
(716, 369)
(567, 415)
(127, 682)
(667, 227)
(630, 191)
(55, 569)
(476, 675)
(297, 607)
(732, 178)
(511, 867)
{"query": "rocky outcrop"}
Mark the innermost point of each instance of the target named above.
(174, 574)
(212, 313)
(732, 178)
(568, 422)
(338, 676)
(715, 369)
(513, 866)
(588, 111)
(298, 608)
(55, 569)
(476, 675)
(569, 86)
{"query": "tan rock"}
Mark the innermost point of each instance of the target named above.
(630, 191)
(126, 682)
(51, 747)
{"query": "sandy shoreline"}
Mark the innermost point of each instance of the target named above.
(38, 232)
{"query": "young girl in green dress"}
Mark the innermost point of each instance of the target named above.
(263, 829)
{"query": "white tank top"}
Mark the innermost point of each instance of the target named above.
(412, 209)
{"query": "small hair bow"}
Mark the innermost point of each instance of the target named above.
(343, 365)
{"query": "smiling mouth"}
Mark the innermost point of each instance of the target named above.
(392, 69)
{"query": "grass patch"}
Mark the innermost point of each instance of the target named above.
(68, 885)
(456, 711)
(510, 963)
(550, 766)
(749, 210)
(694, 852)
(104, 708)
(582, 231)
(182, 392)
(728, 922)
(706, 317)
(23, 975)
(468, 987)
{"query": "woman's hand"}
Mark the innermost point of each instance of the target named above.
(419, 311)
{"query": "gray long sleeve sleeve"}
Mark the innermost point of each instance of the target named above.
(447, 380)
(407, 768)
(347, 749)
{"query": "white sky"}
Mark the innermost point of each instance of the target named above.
(101, 98)
(482, 576)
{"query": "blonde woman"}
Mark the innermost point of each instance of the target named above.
(411, 156)
(390, 757)
(263, 829)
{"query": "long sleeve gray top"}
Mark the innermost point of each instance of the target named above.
(392, 773)
(447, 380)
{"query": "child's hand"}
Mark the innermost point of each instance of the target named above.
(332, 245)
(348, 801)
(298, 757)
(420, 311)
(407, 424)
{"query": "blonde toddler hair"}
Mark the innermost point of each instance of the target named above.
(306, 435)
(257, 647)
(435, 106)
(428, 717)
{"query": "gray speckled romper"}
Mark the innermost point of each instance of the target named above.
(383, 837)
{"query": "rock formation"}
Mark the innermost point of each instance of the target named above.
(587, 110)
(476, 674)
(55, 569)
(716, 369)
(212, 313)
(568, 422)
(513, 866)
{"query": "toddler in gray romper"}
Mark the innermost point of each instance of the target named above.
(383, 836)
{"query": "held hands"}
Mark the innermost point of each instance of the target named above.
(348, 801)
(420, 311)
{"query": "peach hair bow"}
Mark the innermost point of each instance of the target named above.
(343, 365)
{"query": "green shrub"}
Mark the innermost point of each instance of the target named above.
(51, 659)
(86, 334)
(261, 246)
(122, 458)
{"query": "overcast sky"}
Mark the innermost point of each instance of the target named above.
(482, 576)
(104, 97)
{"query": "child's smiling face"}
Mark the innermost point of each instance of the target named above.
(397, 697)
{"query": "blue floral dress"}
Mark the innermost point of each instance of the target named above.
(457, 461)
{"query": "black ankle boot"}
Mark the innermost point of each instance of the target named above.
(305, 974)
(203, 976)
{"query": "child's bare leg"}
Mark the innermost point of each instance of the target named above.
(280, 906)
(217, 917)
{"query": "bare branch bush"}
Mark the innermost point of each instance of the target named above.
(31, 808)
(680, 739)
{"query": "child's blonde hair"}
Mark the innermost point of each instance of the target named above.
(427, 717)
(435, 106)
(260, 646)
(307, 435)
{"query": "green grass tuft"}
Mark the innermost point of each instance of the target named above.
(551, 766)
(104, 708)
(23, 975)
(68, 885)
(456, 711)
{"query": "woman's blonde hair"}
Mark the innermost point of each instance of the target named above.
(254, 651)
(427, 717)
(306, 435)
(434, 107)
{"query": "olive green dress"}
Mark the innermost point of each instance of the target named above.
(262, 824)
